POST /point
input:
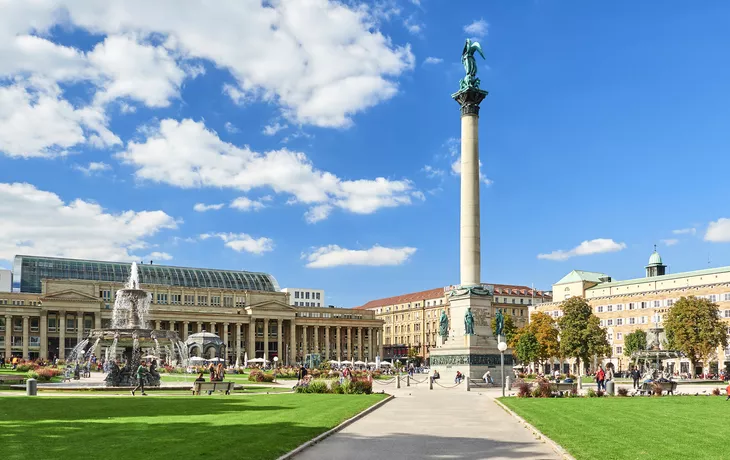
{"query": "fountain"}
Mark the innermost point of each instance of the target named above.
(129, 336)
(652, 358)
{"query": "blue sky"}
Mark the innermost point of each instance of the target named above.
(317, 139)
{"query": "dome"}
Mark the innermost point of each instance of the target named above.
(655, 258)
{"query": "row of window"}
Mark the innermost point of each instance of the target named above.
(631, 321)
(307, 304)
(725, 297)
(34, 324)
(305, 295)
(18, 302)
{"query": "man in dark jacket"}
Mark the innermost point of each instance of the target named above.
(635, 376)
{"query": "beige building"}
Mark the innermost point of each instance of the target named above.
(61, 305)
(641, 303)
(412, 320)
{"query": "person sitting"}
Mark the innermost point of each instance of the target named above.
(459, 377)
(488, 377)
(200, 378)
(435, 376)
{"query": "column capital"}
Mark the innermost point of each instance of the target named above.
(469, 100)
(25, 317)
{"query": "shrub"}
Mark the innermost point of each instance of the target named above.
(573, 393)
(600, 393)
(592, 393)
(25, 367)
(268, 378)
(318, 387)
(256, 375)
(545, 391)
(622, 391)
(535, 392)
(716, 392)
(523, 390)
(361, 387)
(570, 376)
(530, 376)
(657, 389)
(337, 388)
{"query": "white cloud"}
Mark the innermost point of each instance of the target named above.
(242, 242)
(93, 167)
(456, 170)
(413, 26)
(186, 154)
(157, 256)
(718, 231)
(597, 246)
(432, 172)
(670, 241)
(243, 203)
(477, 29)
(270, 130)
(231, 128)
(685, 231)
(432, 60)
(139, 71)
(335, 256)
(317, 213)
(202, 207)
(41, 223)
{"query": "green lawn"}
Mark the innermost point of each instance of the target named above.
(667, 428)
(256, 427)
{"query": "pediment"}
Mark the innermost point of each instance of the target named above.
(70, 294)
(270, 306)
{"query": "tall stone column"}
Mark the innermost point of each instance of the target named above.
(305, 346)
(184, 332)
(370, 345)
(212, 328)
(359, 343)
(26, 336)
(79, 326)
(279, 342)
(266, 338)
(470, 246)
(225, 340)
(200, 326)
(292, 342)
(61, 335)
(316, 339)
(327, 342)
(8, 335)
(339, 343)
(252, 339)
(44, 335)
(238, 344)
(158, 324)
(349, 344)
(380, 343)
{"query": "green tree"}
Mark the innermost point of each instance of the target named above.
(581, 335)
(545, 329)
(634, 342)
(693, 326)
(527, 348)
(413, 356)
(508, 330)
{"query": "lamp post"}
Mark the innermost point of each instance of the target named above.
(502, 348)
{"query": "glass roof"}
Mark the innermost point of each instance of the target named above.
(30, 270)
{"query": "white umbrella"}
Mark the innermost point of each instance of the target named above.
(216, 359)
(359, 363)
(373, 364)
(385, 363)
(258, 360)
(149, 357)
(346, 362)
(196, 359)
(332, 361)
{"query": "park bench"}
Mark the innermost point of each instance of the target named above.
(648, 387)
(480, 383)
(12, 378)
(560, 387)
(210, 387)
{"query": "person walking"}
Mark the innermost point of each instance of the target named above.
(141, 373)
(635, 375)
(600, 378)
(728, 393)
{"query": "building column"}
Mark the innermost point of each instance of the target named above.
(380, 343)
(79, 326)
(225, 340)
(359, 344)
(44, 335)
(470, 250)
(238, 343)
(251, 339)
(316, 339)
(158, 324)
(212, 328)
(327, 342)
(200, 326)
(279, 341)
(292, 343)
(184, 332)
(370, 345)
(61, 335)
(339, 343)
(26, 336)
(349, 344)
(266, 338)
(305, 346)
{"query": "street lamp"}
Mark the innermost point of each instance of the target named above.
(502, 346)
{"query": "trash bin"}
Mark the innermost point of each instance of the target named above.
(610, 388)
(507, 383)
(31, 387)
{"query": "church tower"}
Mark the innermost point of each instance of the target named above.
(655, 267)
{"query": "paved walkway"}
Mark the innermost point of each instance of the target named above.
(434, 424)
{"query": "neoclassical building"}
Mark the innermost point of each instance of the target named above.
(411, 320)
(56, 302)
(641, 303)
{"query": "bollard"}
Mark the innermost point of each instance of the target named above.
(430, 383)
(468, 384)
(31, 387)
(408, 380)
(508, 384)
(610, 388)
(398, 384)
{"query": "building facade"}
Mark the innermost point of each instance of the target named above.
(303, 297)
(245, 309)
(6, 280)
(412, 320)
(641, 303)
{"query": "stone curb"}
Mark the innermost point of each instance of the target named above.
(334, 430)
(553, 445)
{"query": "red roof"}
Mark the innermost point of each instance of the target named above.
(499, 289)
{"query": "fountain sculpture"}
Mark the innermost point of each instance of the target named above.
(129, 336)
